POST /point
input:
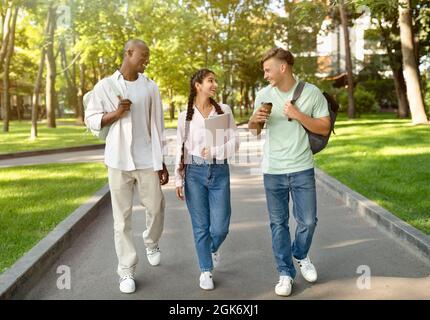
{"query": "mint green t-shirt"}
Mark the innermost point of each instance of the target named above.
(287, 149)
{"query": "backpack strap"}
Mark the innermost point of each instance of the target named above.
(297, 92)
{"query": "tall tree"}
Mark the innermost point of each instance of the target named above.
(10, 46)
(410, 66)
(38, 82)
(386, 15)
(51, 70)
(348, 60)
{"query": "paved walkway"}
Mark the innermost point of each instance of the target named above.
(344, 245)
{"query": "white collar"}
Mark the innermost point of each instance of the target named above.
(117, 75)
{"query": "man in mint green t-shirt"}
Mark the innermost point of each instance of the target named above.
(288, 164)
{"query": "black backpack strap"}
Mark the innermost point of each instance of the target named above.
(297, 92)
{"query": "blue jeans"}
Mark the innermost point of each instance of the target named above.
(278, 187)
(207, 194)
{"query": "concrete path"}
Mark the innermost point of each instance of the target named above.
(344, 247)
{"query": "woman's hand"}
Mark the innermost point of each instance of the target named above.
(180, 193)
(205, 153)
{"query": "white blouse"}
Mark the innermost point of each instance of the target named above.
(196, 139)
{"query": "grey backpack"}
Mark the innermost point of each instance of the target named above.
(317, 141)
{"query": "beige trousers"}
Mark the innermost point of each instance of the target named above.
(121, 184)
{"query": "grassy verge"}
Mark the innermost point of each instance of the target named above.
(386, 160)
(34, 199)
(67, 134)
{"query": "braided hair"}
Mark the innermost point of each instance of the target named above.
(197, 77)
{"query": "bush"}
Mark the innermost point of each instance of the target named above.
(383, 90)
(365, 101)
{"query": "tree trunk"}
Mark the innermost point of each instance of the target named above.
(51, 96)
(79, 106)
(246, 99)
(172, 110)
(395, 61)
(241, 99)
(72, 91)
(36, 94)
(81, 90)
(6, 65)
(5, 33)
(37, 85)
(399, 83)
(19, 107)
(410, 67)
(351, 102)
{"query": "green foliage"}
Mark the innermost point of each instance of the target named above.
(365, 101)
(226, 36)
(383, 91)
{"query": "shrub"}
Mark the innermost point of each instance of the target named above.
(365, 101)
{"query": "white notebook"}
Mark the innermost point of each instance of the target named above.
(216, 130)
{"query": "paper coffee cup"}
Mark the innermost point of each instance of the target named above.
(267, 106)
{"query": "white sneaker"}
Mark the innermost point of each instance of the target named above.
(216, 258)
(126, 284)
(308, 269)
(154, 256)
(206, 281)
(284, 286)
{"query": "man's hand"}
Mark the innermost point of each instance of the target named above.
(163, 175)
(206, 153)
(260, 116)
(180, 193)
(256, 122)
(124, 105)
(291, 111)
(110, 117)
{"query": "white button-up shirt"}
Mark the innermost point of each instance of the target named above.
(196, 139)
(119, 141)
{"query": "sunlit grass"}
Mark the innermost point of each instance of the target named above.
(67, 134)
(386, 160)
(34, 199)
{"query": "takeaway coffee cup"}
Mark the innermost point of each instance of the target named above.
(267, 106)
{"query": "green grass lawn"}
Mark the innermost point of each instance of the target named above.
(34, 199)
(386, 160)
(67, 134)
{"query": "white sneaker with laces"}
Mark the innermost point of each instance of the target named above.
(216, 258)
(126, 284)
(154, 256)
(206, 281)
(307, 269)
(284, 286)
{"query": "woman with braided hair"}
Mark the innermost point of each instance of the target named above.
(202, 174)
